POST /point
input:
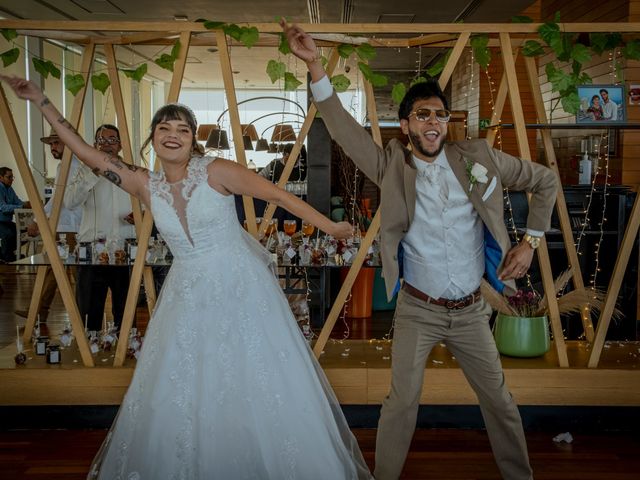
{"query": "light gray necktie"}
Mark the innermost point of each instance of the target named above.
(435, 175)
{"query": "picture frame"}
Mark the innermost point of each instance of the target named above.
(601, 104)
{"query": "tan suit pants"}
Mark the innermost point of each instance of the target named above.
(418, 327)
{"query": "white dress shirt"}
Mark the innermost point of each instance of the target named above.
(610, 110)
(104, 206)
(70, 218)
(444, 247)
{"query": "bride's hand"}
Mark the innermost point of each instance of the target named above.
(343, 230)
(23, 88)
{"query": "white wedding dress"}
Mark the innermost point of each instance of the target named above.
(226, 387)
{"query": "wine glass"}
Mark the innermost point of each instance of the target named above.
(290, 227)
(272, 227)
(307, 228)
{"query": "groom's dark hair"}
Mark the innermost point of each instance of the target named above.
(420, 91)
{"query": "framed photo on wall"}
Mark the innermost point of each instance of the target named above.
(601, 104)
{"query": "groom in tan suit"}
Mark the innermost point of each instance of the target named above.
(442, 229)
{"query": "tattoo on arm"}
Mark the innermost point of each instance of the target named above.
(119, 163)
(113, 177)
(45, 101)
(64, 122)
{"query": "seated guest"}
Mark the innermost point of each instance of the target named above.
(9, 201)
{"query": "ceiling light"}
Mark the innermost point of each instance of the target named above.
(180, 18)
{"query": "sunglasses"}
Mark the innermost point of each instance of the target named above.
(424, 114)
(107, 140)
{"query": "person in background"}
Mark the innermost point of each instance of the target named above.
(273, 170)
(9, 201)
(595, 109)
(105, 209)
(68, 225)
(609, 108)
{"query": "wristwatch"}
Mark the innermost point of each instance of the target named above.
(534, 242)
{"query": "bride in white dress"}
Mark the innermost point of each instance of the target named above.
(226, 387)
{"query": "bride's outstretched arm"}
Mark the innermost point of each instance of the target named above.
(234, 178)
(129, 177)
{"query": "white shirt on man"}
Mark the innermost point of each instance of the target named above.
(70, 218)
(610, 110)
(104, 206)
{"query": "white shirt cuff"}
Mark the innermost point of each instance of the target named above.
(322, 89)
(535, 233)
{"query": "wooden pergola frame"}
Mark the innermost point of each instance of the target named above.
(456, 35)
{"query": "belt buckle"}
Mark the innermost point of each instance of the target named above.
(455, 304)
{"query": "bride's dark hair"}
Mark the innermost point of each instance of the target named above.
(175, 111)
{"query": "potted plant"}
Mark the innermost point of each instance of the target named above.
(521, 328)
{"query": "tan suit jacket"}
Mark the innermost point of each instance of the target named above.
(394, 171)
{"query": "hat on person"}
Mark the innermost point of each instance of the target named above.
(53, 136)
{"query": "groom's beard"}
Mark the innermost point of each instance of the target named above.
(416, 142)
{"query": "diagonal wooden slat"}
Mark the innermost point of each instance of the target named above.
(227, 77)
(147, 221)
(525, 153)
(561, 204)
(48, 238)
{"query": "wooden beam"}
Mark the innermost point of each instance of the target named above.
(46, 232)
(147, 221)
(525, 153)
(343, 28)
(617, 276)
(34, 306)
(456, 53)
(561, 204)
(227, 77)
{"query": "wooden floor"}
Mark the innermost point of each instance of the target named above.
(435, 454)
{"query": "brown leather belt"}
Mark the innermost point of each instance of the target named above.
(456, 304)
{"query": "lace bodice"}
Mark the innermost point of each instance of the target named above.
(192, 217)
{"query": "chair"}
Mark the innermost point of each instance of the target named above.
(23, 217)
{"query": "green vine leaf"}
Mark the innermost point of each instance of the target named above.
(416, 80)
(324, 61)
(249, 36)
(613, 40)
(521, 19)
(531, 48)
(211, 25)
(398, 92)
(631, 50)
(366, 52)
(340, 83)
(436, 69)
(276, 70)
(165, 61)
(549, 31)
(232, 30)
(345, 50)
(136, 74)
(485, 123)
(580, 53)
(45, 68)
(562, 45)
(73, 83)
(376, 79)
(283, 44)
(10, 56)
(560, 80)
(570, 101)
(291, 83)
(100, 82)
(175, 50)
(481, 52)
(8, 33)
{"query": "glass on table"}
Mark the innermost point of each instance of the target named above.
(307, 228)
(272, 227)
(290, 227)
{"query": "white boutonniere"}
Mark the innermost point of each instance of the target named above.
(477, 174)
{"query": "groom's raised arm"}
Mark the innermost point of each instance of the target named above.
(343, 128)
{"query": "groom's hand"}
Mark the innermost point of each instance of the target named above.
(300, 43)
(517, 262)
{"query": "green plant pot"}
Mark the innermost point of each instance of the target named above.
(522, 336)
